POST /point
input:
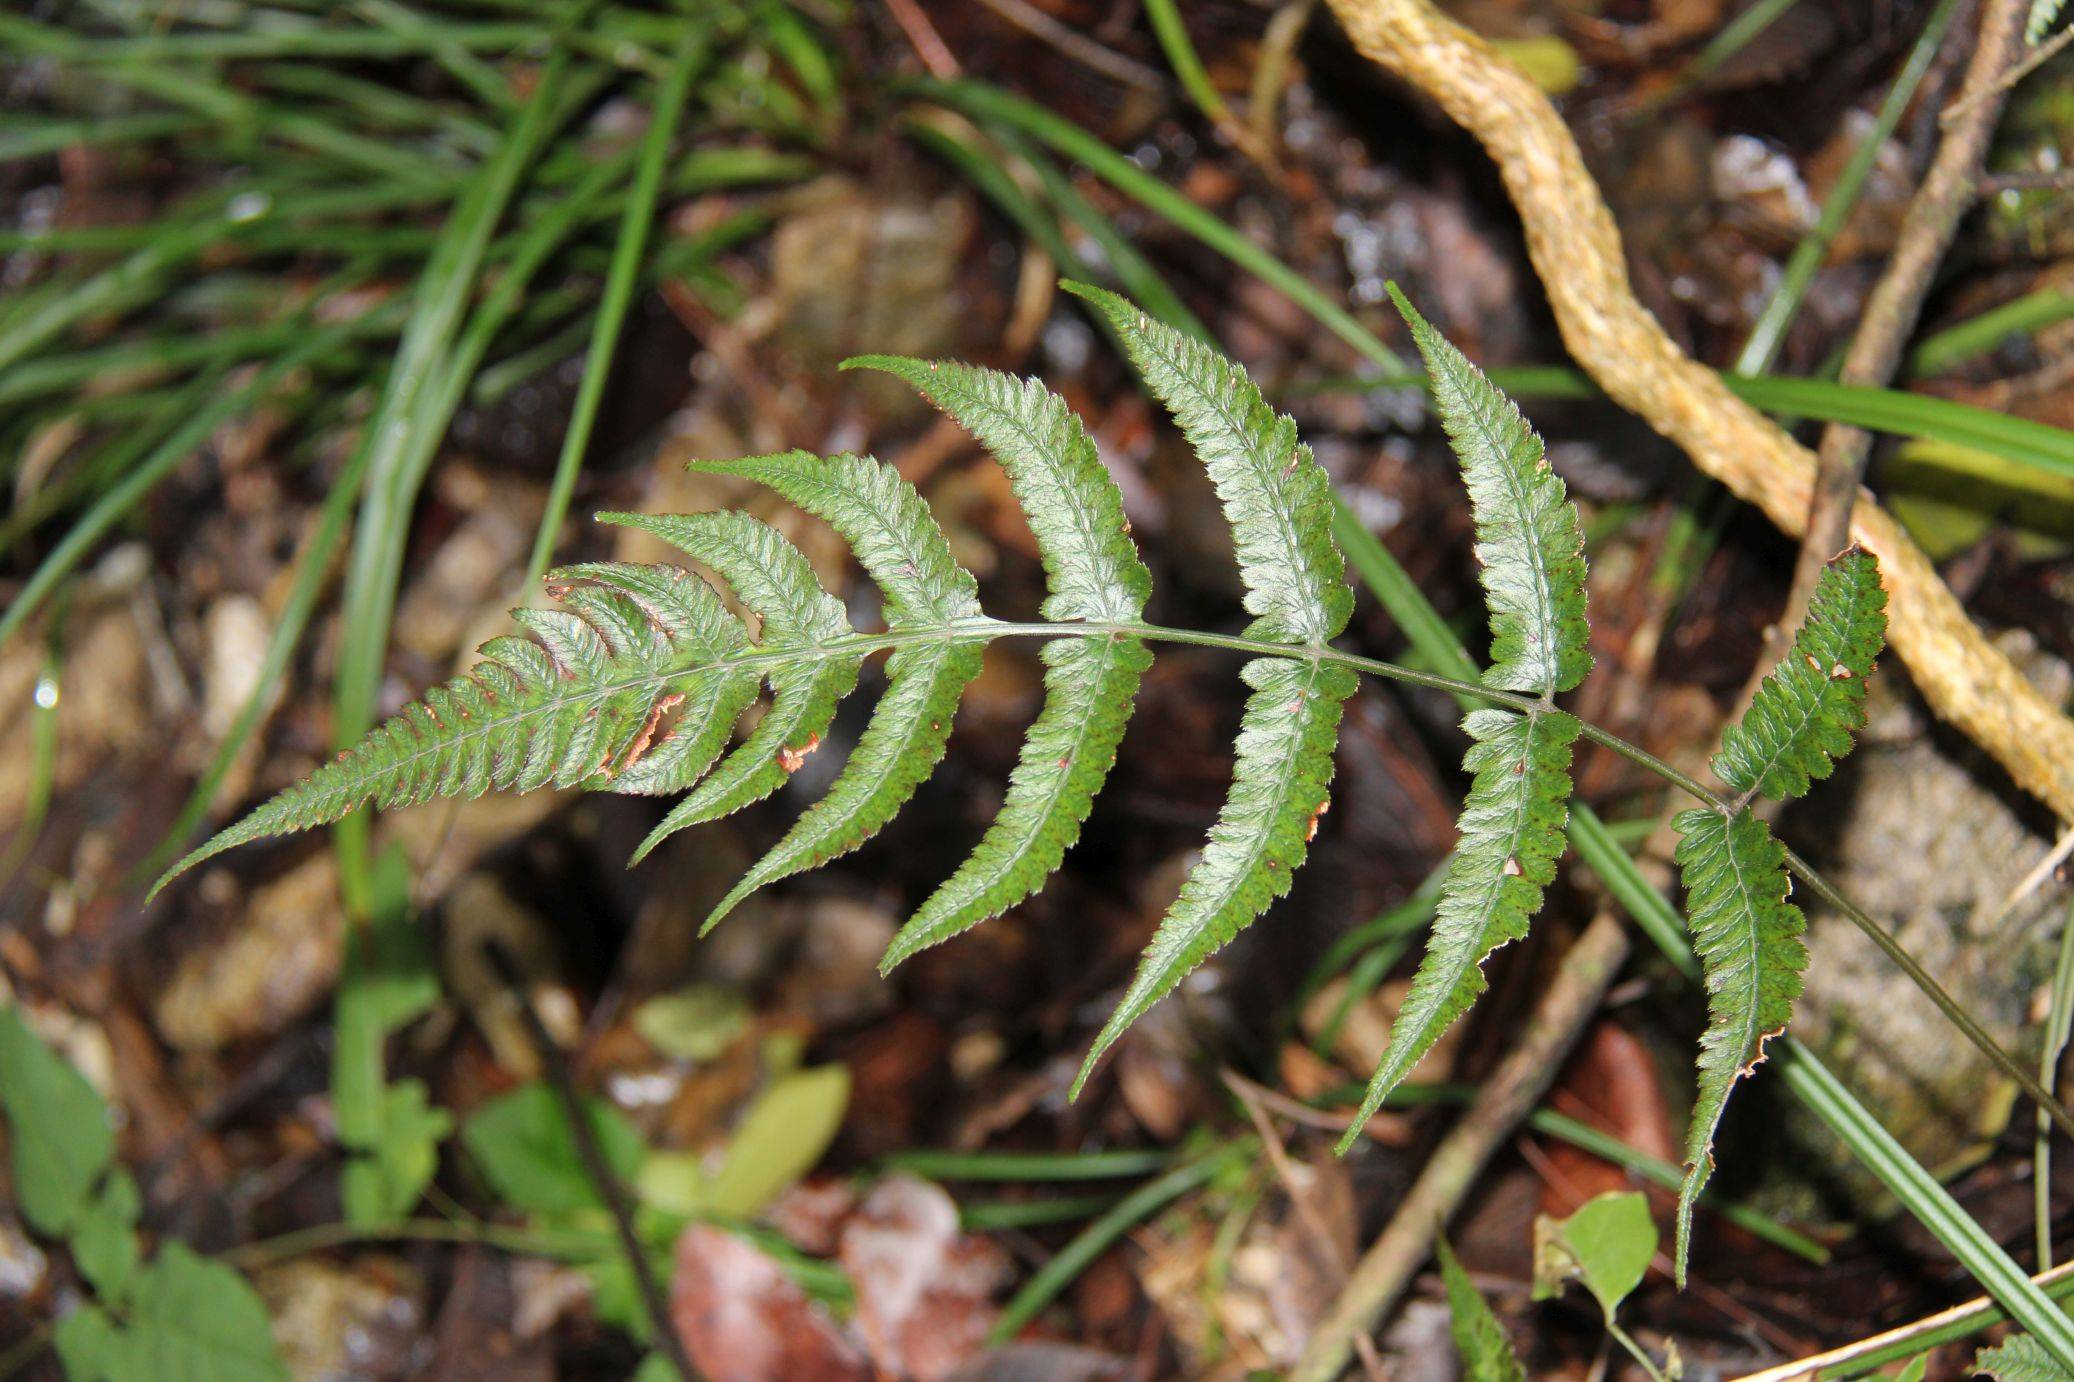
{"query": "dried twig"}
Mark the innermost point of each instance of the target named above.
(592, 1156)
(1960, 1320)
(1896, 304)
(1076, 45)
(1506, 1097)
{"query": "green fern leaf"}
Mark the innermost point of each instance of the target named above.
(579, 705)
(1074, 509)
(1092, 567)
(1480, 1340)
(895, 537)
(1276, 496)
(1278, 791)
(1803, 716)
(1747, 936)
(1511, 837)
(1528, 540)
(1089, 685)
(899, 544)
(776, 582)
(2019, 1358)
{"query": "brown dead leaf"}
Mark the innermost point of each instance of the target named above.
(742, 1319)
(925, 1288)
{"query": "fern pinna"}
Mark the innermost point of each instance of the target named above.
(636, 682)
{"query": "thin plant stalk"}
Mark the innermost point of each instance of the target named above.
(2059, 1019)
(619, 291)
(1768, 332)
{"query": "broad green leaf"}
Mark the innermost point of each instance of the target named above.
(1804, 714)
(1747, 936)
(1278, 791)
(58, 1133)
(1512, 835)
(1074, 508)
(1605, 1246)
(88, 1345)
(194, 1320)
(1528, 540)
(1486, 1353)
(522, 1143)
(2019, 1358)
(1089, 688)
(104, 1240)
(1276, 496)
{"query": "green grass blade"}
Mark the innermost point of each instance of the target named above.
(620, 280)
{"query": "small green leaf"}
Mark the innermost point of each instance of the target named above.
(781, 1137)
(385, 1179)
(104, 1241)
(1915, 1369)
(525, 1149)
(57, 1126)
(1512, 835)
(1804, 714)
(88, 1345)
(695, 1023)
(193, 1320)
(1528, 539)
(894, 536)
(1486, 1353)
(910, 729)
(1606, 1246)
(2019, 1358)
(1747, 936)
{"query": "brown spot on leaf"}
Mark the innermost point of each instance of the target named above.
(791, 759)
(642, 741)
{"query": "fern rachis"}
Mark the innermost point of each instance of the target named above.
(634, 685)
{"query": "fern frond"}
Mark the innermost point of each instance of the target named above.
(899, 749)
(1747, 936)
(1511, 837)
(776, 582)
(897, 541)
(1276, 496)
(1282, 771)
(1074, 509)
(1089, 686)
(1093, 572)
(580, 705)
(1803, 716)
(1528, 540)
(894, 536)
